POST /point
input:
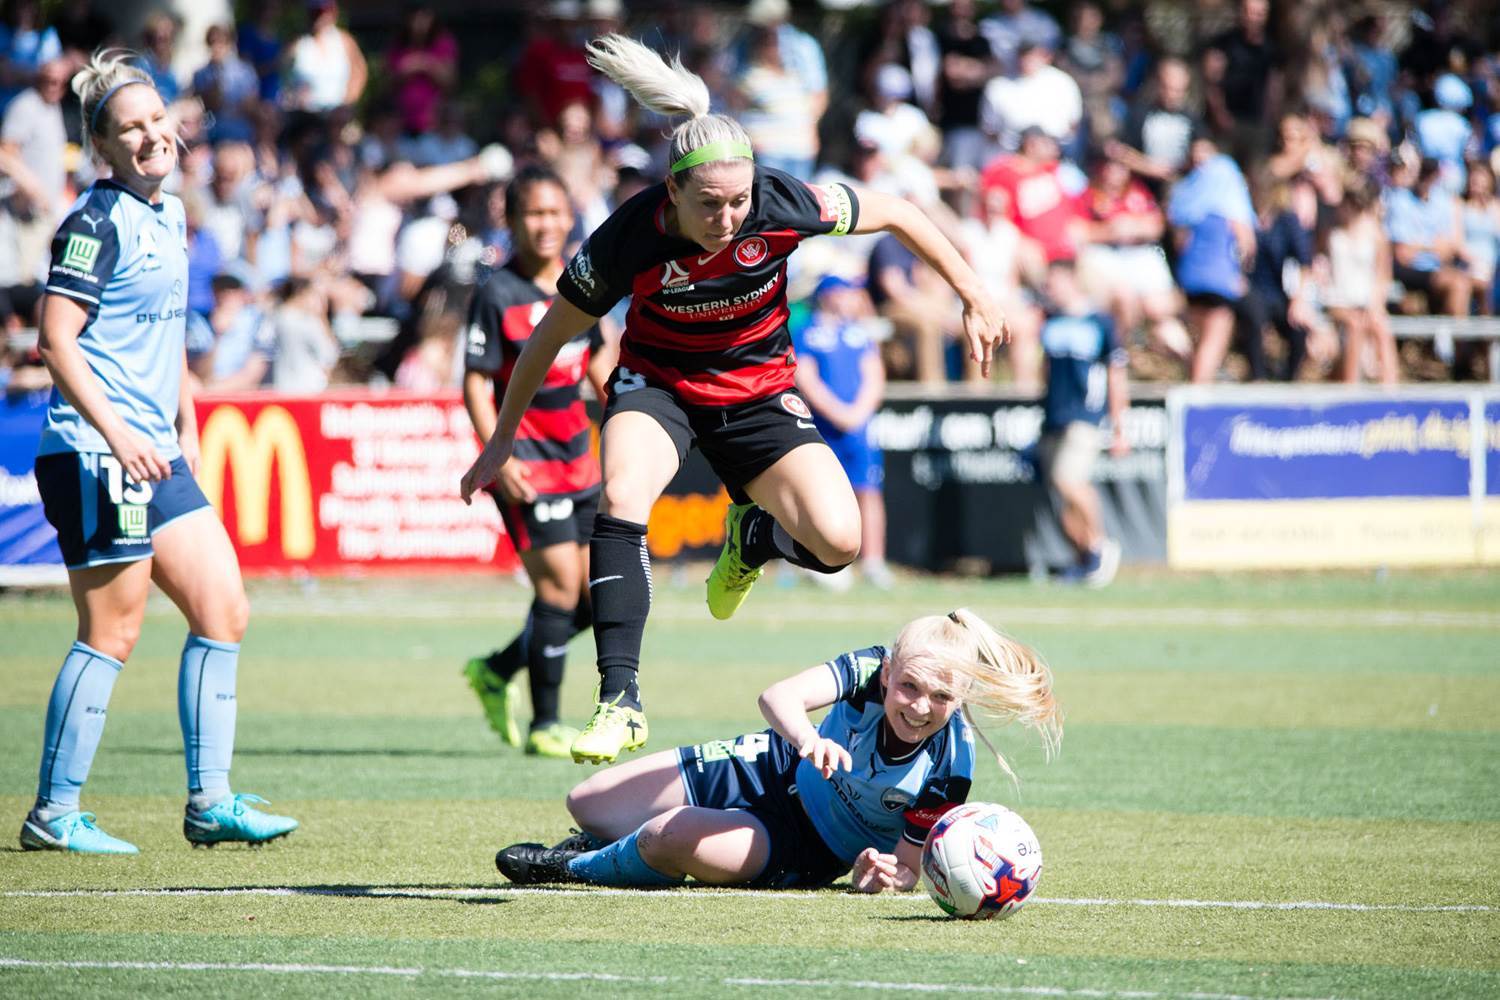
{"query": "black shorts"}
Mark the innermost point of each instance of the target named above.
(740, 441)
(754, 773)
(1210, 300)
(549, 520)
(101, 516)
(1412, 279)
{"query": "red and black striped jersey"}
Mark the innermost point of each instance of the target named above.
(712, 327)
(554, 439)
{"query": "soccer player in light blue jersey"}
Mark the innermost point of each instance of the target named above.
(115, 472)
(799, 805)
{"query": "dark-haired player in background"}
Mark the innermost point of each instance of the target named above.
(706, 359)
(548, 491)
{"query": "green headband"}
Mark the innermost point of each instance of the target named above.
(722, 150)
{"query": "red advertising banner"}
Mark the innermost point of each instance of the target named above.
(345, 481)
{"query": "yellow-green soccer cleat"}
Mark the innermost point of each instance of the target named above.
(554, 740)
(731, 579)
(613, 730)
(498, 699)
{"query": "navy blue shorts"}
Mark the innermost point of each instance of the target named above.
(549, 520)
(755, 773)
(101, 516)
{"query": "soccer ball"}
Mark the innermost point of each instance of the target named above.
(981, 860)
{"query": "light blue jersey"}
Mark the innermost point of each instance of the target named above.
(125, 261)
(881, 799)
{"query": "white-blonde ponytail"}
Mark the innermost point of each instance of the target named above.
(669, 89)
(105, 73)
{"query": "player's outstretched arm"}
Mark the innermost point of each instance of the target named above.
(785, 705)
(561, 323)
(984, 324)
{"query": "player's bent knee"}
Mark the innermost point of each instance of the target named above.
(116, 639)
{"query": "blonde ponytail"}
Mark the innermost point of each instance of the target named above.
(670, 89)
(1007, 680)
(105, 73)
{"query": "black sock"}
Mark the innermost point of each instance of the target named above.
(583, 616)
(620, 591)
(504, 663)
(546, 655)
(762, 539)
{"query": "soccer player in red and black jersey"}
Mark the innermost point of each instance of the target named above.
(706, 359)
(548, 490)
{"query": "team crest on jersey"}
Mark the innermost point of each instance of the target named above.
(750, 252)
(674, 274)
(895, 799)
(793, 404)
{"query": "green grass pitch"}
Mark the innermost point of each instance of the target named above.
(1271, 786)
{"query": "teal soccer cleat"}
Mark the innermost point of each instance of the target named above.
(74, 831)
(234, 820)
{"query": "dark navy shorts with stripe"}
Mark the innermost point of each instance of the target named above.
(101, 516)
(740, 441)
(549, 520)
(755, 773)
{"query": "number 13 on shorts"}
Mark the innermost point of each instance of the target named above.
(746, 748)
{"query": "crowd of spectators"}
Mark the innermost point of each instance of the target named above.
(1246, 197)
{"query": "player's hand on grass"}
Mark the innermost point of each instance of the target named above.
(875, 872)
(825, 755)
(138, 458)
(485, 468)
(513, 483)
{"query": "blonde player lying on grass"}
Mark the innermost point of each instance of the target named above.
(799, 805)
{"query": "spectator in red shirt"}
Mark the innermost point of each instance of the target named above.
(1123, 264)
(1045, 194)
(553, 71)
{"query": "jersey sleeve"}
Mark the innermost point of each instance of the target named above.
(593, 281)
(483, 336)
(809, 209)
(937, 797)
(85, 252)
(853, 670)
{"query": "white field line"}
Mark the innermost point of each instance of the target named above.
(411, 972)
(875, 612)
(398, 892)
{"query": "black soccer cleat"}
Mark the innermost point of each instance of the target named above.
(530, 864)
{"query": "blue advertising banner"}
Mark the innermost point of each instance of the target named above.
(1336, 450)
(1492, 448)
(1303, 477)
(27, 541)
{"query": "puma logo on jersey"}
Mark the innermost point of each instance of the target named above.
(92, 220)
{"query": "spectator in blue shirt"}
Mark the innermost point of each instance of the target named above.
(228, 88)
(1086, 380)
(1444, 132)
(1214, 225)
(840, 373)
(1427, 239)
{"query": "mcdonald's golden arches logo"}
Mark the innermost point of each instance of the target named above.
(250, 451)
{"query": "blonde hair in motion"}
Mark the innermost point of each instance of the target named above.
(669, 89)
(101, 77)
(1006, 679)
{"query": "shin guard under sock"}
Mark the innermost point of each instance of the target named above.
(546, 655)
(620, 592)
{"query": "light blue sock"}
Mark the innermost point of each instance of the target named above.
(619, 864)
(75, 722)
(206, 709)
